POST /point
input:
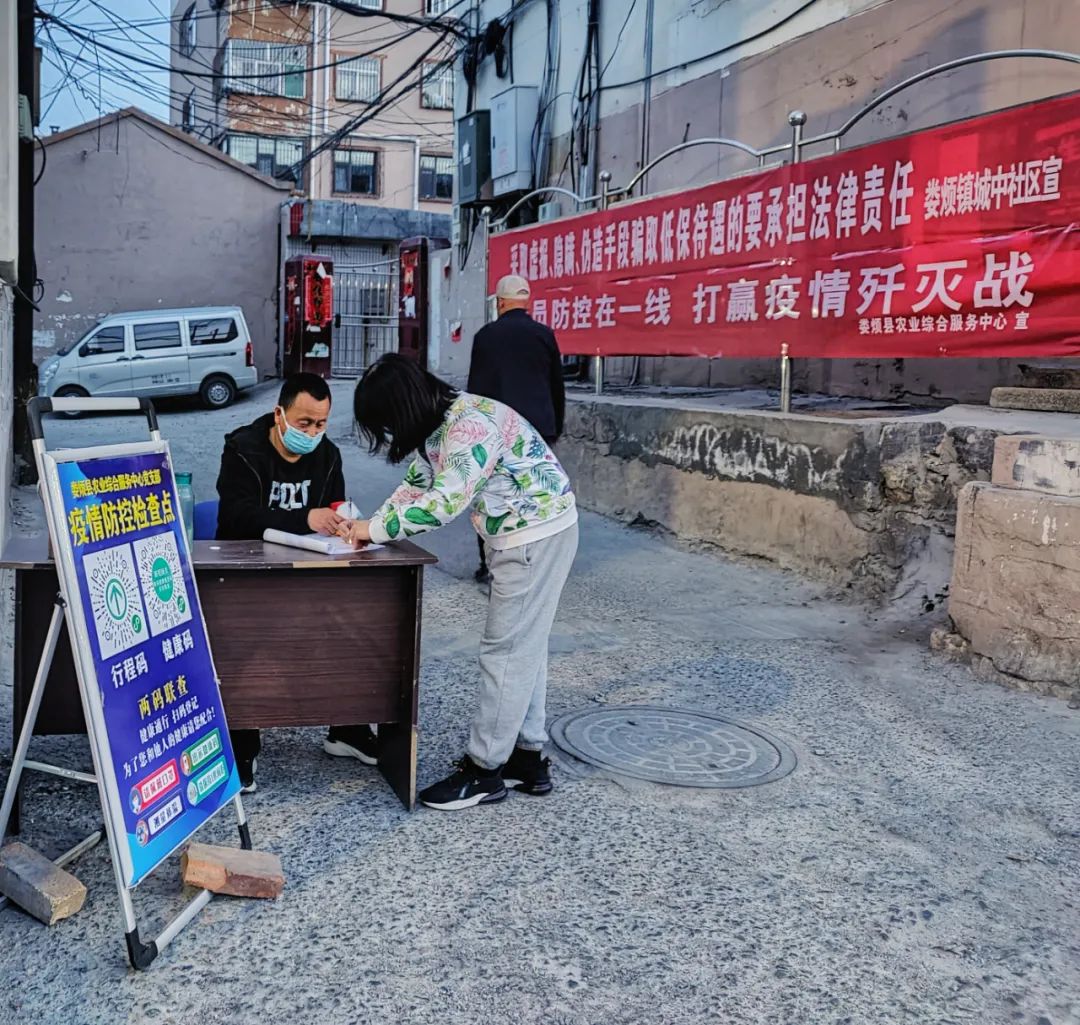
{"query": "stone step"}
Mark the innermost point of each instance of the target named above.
(1045, 400)
(37, 885)
(1034, 463)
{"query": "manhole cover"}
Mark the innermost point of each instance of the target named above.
(669, 745)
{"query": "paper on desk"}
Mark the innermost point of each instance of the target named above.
(314, 542)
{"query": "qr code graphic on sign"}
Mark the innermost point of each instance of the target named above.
(168, 604)
(113, 588)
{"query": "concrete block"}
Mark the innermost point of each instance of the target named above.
(1034, 463)
(37, 885)
(1015, 593)
(232, 871)
(1049, 375)
(1048, 400)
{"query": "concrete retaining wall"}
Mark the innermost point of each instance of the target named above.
(862, 503)
(1016, 586)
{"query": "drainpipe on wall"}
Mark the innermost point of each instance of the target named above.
(326, 78)
(416, 174)
(594, 159)
(312, 174)
(646, 124)
(646, 106)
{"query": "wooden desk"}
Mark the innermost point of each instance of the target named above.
(299, 639)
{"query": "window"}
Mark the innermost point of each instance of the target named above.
(437, 87)
(435, 8)
(354, 171)
(187, 32)
(108, 339)
(273, 155)
(211, 332)
(157, 336)
(187, 117)
(436, 177)
(359, 79)
(371, 5)
(279, 70)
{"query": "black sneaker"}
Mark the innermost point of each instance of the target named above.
(528, 772)
(246, 768)
(468, 786)
(359, 742)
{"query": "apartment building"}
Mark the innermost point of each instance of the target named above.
(277, 86)
(355, 109)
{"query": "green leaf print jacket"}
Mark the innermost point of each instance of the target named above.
(487, 456)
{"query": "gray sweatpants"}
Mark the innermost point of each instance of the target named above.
(526, 585)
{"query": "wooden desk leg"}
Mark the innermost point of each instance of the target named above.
(397, 759)
(397, 740)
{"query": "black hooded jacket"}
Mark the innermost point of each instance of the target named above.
(258, 489)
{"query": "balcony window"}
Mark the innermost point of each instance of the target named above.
(273, 155)
(437, 87)
(359, 79)
(264, 69)
(354, 172)
(436, 177)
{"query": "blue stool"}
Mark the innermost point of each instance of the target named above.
(206, 521)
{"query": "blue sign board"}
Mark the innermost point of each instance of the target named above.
(168, 764)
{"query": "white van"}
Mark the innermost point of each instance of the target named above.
(204, 351)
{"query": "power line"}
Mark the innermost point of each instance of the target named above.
(79, 34)
(419, 24)
(369, 115)
(250, 105)
(448, 25)
(112, 64)
(716, 53)
(251, 109)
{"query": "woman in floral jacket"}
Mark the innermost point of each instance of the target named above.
(475, 453)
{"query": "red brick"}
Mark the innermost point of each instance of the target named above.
(233, 871)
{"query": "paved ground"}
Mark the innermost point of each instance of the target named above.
(919, 866)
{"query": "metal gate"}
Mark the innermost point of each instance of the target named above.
(365, 298)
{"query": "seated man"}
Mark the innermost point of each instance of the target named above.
(282, 472)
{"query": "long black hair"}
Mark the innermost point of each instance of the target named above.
(399, 404)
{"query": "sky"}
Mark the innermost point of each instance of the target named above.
(73, 94)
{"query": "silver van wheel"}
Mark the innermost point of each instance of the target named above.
(71, 391)
(217, 392)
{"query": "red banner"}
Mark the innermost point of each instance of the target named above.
(959, 241)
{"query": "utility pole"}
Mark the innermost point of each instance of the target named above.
(22, 364)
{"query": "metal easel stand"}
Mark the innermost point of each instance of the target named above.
(20, 761)
(140, 954)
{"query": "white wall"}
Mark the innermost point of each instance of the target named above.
(683, 31)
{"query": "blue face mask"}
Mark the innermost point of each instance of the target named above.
(296, 441)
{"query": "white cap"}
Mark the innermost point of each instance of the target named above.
(512, 287)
